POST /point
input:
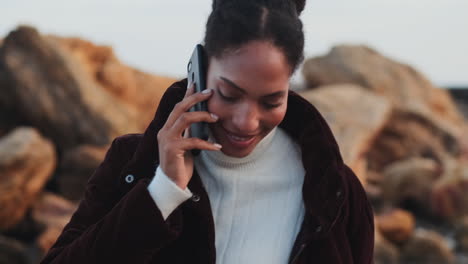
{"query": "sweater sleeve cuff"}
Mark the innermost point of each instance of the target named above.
(166, 194)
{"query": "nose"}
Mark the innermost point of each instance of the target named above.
(246, 118)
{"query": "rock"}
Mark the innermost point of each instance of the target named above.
(133, 87)
(408, 135)
(355, 117)
(47, 239)
(384, 251)
(12, 251)
(396, 225)
(449, 195)
(74, 103)
(373, 188)
(426, 247)
(406, 88)
(54, 212)
(75, 168)
(461, 235)
(26, 231)
(463, 149)
(37, 77)
(425, 121)
(27, 161)
(410, 179)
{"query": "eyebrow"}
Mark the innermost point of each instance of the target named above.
(232, 84)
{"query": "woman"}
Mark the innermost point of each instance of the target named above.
(269, 187)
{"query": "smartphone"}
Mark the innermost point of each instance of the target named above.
(196, 73)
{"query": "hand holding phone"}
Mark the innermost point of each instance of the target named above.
(191, 115)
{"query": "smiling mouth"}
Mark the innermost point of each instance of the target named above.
(238, 138)
(240, 141)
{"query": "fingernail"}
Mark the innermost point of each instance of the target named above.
(218, 146)
(207, 91)
(215, 117)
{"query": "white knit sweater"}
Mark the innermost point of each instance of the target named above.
(256, 200)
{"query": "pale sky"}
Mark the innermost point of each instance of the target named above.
(158, 36)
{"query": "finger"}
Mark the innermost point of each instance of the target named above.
(188, 118)
(184, 105)
(190, 89)
(196, 143)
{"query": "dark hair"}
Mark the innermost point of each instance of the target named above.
(233, 23)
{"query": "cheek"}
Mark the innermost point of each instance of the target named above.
(218, 107)
(274, 118)
(224, 111)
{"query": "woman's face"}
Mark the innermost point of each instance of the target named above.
(250, 95)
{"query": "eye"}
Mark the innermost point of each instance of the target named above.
(270, 106)
(226, 98)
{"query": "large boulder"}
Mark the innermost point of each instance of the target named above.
(27, 161)
(396, 225)
(425, 121)
(136, 89)
(75, 168)
(355, 116)
(410, 180)
(408, 135)
(384, 251)
(449, 195)
(426, 247)
(54, 212)
(406, 88)
(72, 91)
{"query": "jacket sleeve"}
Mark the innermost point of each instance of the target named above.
(111, 228)
(361, 222)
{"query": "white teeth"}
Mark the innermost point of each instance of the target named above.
(236, 138)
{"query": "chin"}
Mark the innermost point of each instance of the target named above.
(237, 153)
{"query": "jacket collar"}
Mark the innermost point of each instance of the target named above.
(323, 189)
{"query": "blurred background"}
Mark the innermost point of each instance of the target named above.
(157, 36)
(390, 77)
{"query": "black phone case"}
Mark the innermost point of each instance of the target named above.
(196, 73)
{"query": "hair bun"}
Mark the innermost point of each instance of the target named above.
(217, 3)
(299, 4)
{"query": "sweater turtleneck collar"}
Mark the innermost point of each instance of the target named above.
(223, 160)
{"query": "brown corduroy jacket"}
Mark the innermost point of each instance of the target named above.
(118, 222)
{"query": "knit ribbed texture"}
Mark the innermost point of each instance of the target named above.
(256, 200)
(166, 194)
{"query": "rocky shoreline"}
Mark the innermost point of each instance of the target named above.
(63, 100)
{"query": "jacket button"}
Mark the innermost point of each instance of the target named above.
(129, 178)
(318, 229)
(195, 198)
